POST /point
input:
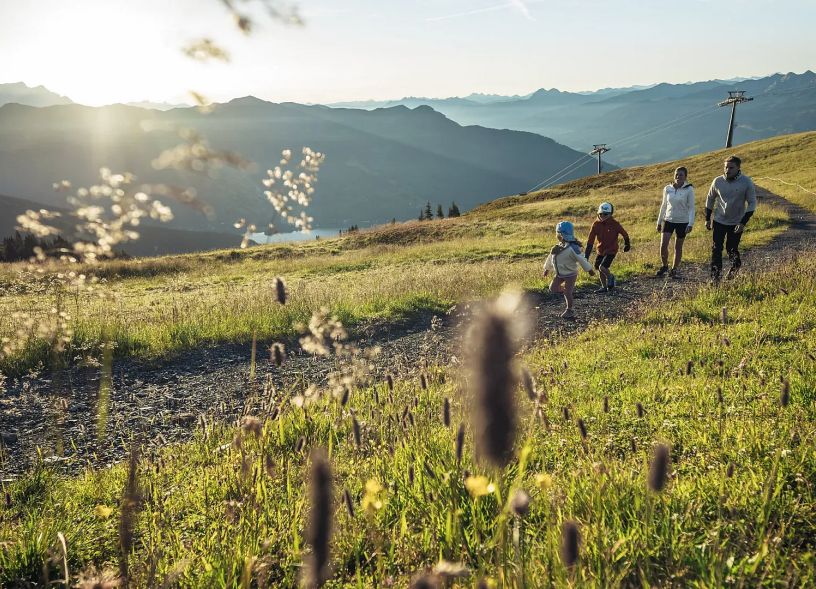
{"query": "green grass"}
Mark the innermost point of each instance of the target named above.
(157, 306)
(214, 510)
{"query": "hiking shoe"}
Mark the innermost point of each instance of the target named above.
(732, 273)
(673, 273)
(662, 272)
(603, 289)
(568, 314)
(610, 283)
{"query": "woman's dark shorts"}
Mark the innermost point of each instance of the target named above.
(680, 228)
(605, 260)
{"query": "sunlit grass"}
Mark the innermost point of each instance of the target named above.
(204, 520)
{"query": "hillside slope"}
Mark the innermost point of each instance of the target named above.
(174, 303)
(379, 165)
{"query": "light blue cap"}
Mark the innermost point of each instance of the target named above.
(566, 229)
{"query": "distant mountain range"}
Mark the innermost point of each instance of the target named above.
(644, 125)
(380, 164)
(153, 240)
(30, 95)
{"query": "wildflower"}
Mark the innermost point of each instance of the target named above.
(544, 481)
(373, 500)
(479, 486)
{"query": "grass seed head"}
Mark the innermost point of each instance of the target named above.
(349, 503)
(640, 410)
(492, 342)
(280, 291)
(423, 381)
(446, 418)
(659, 468)
(389, 380)
(529, 384)
(277, 354)
(784, 396)
(318, 534)
(520, 503)
(729, 471)
(582, 428)
(355, 428)
(425, 581)
(689, 367)
(565, 412)
(460, 442)
(411, 475)
(570, 542)
(606, 404)
(345, 397)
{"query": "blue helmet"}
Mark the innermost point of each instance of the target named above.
(566, 229)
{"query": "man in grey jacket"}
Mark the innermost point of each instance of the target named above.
(732, 199)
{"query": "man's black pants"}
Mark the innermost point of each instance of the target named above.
(725, 234)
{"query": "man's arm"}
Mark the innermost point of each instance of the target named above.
(709, 204)
(750, 206)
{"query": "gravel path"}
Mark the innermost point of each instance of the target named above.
(57, 414)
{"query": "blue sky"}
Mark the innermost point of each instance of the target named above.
(99, 51)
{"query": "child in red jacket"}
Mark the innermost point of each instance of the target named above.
(606, 229)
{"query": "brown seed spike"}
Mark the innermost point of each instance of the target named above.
(784, 397)
(606, 404)
(570, 542)
(277, 354)
(423, 382)
(566, 413)
(347, 500)
(582, 428)
(344, 399)
(460, 443)
(729, 471)
(411, 475)
(355, 428)
(494, 384)
(280, 291)
(389, 380)
(131, 502)
(529, 385)
(689, 367)
(633, 446)
(719, 395)
(659, 468)
(640, 410)
(319, 531)
(446, 412)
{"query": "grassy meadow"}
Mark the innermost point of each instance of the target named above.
(734, 400)
(150, 307)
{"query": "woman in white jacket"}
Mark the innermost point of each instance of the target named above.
(566, 259)
(676, 216)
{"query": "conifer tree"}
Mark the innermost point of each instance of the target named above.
(428, 211)
(440, 214)
(453, 210)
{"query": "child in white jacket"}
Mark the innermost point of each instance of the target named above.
(565, 259)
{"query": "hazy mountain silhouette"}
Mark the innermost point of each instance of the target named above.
(380, 164)
(660, 122)
(30, 95)
(154, 240)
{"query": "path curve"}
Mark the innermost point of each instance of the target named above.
(165, 402)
